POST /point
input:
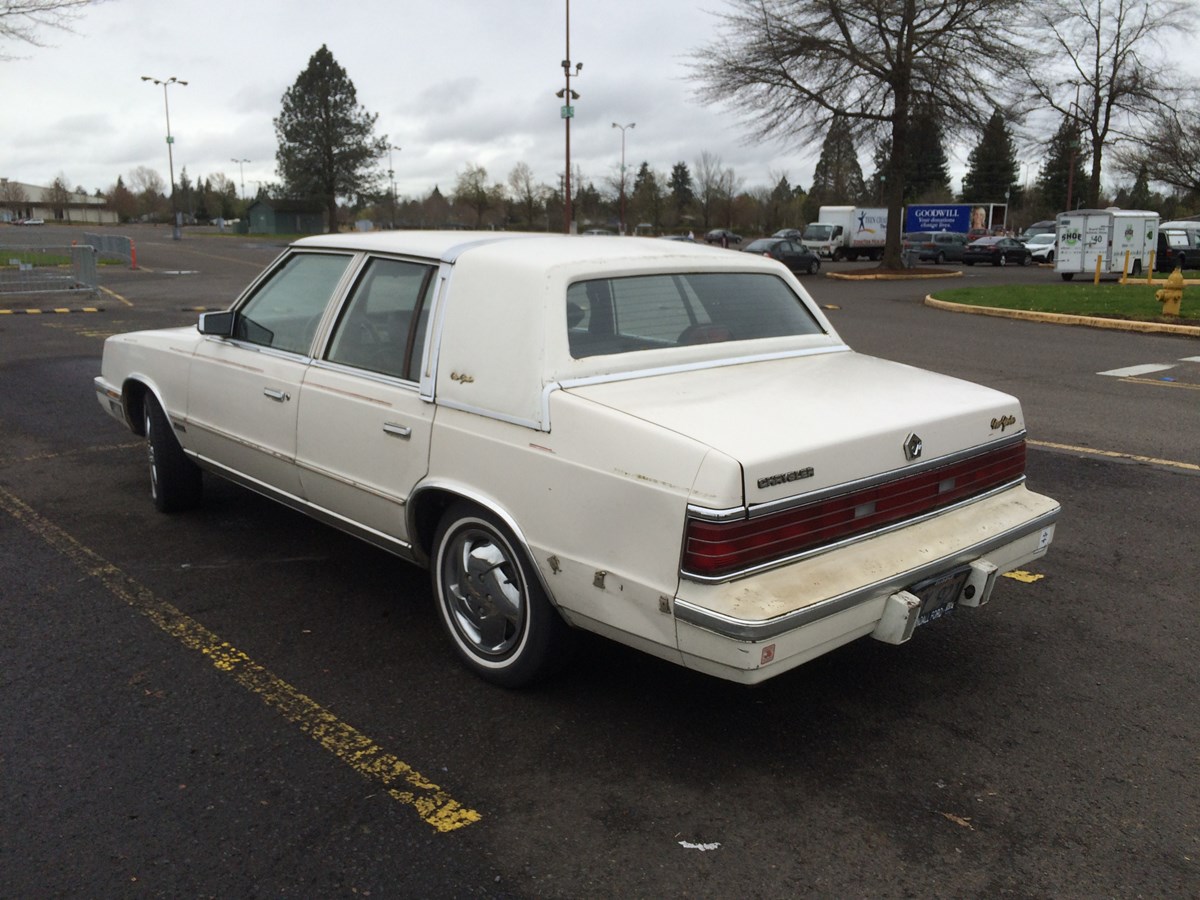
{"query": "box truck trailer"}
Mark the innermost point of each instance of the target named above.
(1087, 237)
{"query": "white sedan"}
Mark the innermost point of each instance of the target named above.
(656, 441)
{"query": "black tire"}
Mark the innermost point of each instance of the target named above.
(968, 262)
(814, 267)
(1050, 257)
(175, 481)
(1026, 259)
(941, 258)
(1067, 276)
(491, 602)
(1002, 261)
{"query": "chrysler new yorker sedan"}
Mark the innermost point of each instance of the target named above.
(660, 442)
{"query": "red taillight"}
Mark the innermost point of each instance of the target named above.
(715, 549)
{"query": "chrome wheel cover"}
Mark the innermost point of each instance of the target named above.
(483, 592)
(153, 464)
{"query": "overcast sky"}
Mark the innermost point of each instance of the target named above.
(452, 81)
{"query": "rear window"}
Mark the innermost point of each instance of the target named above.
(622, 315)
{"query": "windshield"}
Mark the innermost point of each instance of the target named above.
(651, 312)
(818, 232)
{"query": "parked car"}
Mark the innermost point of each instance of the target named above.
(1041, 246)
(1177, 249)
(792, 254)
(723, 236)
(663, 444)
(1046, 226)
(938, 246)
(999, 251)
(792, 234)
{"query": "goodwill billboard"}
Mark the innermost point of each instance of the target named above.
(959, 217)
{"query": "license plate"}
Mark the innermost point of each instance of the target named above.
(939, 595)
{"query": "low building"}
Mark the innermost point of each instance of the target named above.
(285, 217)
(20, 202)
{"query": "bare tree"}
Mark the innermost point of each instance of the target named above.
(13, 198)
(22, 20)
(1104, 79)
(527, 193)
(59, 197)
(716, 186)
(791, 66)
(1168, 150)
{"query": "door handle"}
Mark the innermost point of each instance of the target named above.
(402, 431)
(280, 396)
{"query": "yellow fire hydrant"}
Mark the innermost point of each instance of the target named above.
(1171, 294)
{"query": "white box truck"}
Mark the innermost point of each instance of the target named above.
(847, 232)
(1087, 234)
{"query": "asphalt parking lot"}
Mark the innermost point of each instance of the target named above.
(241, 702)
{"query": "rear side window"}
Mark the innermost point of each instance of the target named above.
(285, 310)
(622, 315)
(382, 328)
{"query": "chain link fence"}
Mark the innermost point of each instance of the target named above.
(48, 270)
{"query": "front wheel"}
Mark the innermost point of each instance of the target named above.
(1026, 259)
(175, 481)
(814, 267)
(941, 258)
(491, 602)
(1002, 261)
(1067, 276)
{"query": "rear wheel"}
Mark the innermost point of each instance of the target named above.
(1067, 276)
(814, 267)
(175, 482)
(1001, 261)
(491, 602)
(941, 258)
(1026, 259)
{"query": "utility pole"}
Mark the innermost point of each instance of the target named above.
(623, 127)
(568, 112)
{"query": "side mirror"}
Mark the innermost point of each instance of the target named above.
(218, 324)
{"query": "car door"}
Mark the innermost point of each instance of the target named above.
(363, 431)
(243, 388)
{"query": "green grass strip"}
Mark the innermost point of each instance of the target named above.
(1131, 301)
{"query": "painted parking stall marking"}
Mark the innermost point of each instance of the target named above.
(402, 782)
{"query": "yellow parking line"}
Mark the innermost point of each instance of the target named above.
(434, 806)
(116, 295)
(1114, 454)
(1157, 382)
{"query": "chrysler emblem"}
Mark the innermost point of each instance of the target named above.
(913, 447)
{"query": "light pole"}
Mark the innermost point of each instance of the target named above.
(242, 175)
(176, 233)
(623, 127)
(392, 179)
(568, 112)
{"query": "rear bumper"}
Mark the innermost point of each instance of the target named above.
(754, 628)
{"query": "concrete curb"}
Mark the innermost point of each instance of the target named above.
(851, 276)
(1064, 319)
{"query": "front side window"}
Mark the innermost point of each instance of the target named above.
(621, 315)
(286, 309)
(382, 328)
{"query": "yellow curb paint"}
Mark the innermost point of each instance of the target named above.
(1114, 454)
(1023, 577)
(852, 276)
(1063, 318)
(403, 783)
(1158, 382)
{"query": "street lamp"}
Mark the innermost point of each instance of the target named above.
(392, 179)
(623, 127)
(166, 82)
(241, 174)
(568, 112)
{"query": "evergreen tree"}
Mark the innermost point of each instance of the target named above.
(327, 143)
(682, 193)
(926, 168)
(1063, 172)
(1140, 197)
(838, 177)
(992, 167)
